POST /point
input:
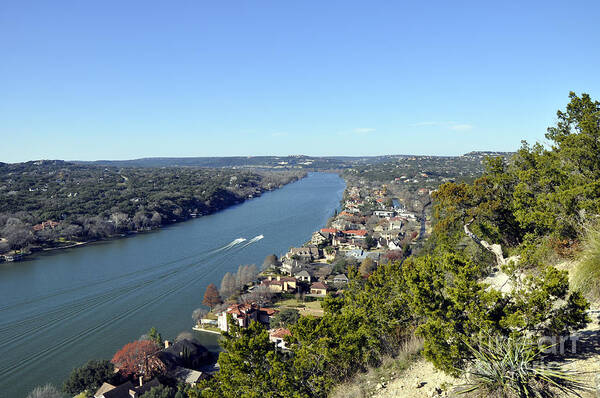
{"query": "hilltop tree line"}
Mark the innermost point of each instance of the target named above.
(92, 202)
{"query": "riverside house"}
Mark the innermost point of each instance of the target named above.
(280, 284)
(244, 314)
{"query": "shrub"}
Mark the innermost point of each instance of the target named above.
(586, 276)
(514, 367)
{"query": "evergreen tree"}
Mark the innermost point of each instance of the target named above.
(89, 377)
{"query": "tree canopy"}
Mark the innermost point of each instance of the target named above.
(139, 359)
(89, 377)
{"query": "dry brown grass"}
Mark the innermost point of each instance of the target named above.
(365, 384)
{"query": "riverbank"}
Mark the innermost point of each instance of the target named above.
(19, 255)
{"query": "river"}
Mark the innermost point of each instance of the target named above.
(60, 309)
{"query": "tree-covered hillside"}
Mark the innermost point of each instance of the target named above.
(92, 202)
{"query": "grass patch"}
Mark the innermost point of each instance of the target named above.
(305, 307)
(364, 384)
(586, 274)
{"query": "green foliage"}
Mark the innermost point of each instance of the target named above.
(155, 336)
(512, 368)
(89, 377)
(250, 367)
(453, 306)
(160, 392)
(285, 318)
(370, 242)
(542, 305)
(539, 193)
(356, 331)
(445, 293)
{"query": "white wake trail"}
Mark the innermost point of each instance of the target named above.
(253, 240)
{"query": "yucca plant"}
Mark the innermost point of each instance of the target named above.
(513, 368)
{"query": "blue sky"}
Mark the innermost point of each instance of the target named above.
(128, 79)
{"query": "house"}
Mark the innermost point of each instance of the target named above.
(356, 233)
(318, 238)
(126, 390)
(274, 286)
(383, 225)
(340, 224)
(383, 213)
(345, 243)
(329, 232)
(318, 289)
(394, 245)
(340, 279)
(360, 254)
(289, 266)
(244, 314)
(395, 223)
(187, 376)
(265, 315)
(304, 253)
(46, 224)
(390, 235)
(277, 336)
(303, 276)
(280, 284)
(184, 353)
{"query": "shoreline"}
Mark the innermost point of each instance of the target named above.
(24, 256)
(197, 329)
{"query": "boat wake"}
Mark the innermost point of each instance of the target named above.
(253, 240)
(231, 244)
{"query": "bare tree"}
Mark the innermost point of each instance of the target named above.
(156, 219)
(17, 233)
(260, 295)
(47, 391)
(271, 261)
(140, 220)
(121, 221)
(228, 285)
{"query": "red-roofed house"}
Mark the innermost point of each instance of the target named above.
(356, 233)
(243, 314)
(318, 289)
(329, 231)
(277, 336)
(46, 224)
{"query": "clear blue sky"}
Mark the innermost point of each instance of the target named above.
(127, 79)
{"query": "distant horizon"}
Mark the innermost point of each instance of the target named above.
(251, 156)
